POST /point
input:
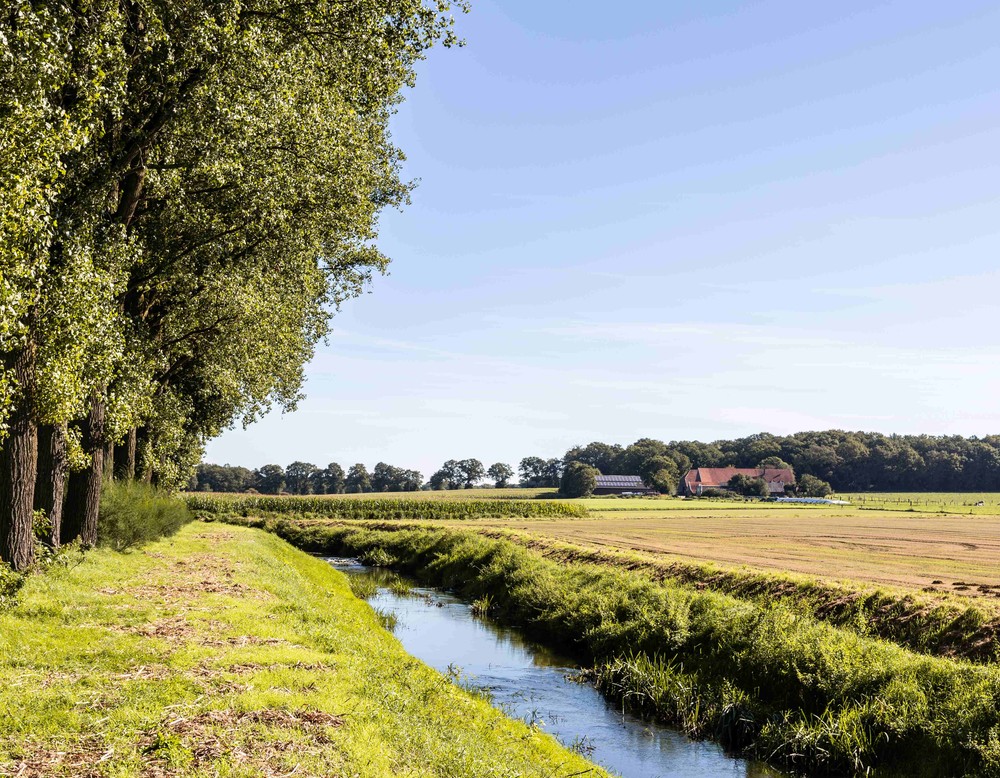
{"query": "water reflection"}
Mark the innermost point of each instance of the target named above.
(535, 684)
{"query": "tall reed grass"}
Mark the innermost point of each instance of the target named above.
(133, 513)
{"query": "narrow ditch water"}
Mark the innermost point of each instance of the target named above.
(529, 682)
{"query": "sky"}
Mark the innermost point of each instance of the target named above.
(678, 220)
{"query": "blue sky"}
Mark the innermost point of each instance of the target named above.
(675, 220)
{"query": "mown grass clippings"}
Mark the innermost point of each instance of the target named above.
(81, 757)
(267, 738)
(125, 666)
(762, 677)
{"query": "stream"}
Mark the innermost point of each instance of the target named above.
(529, 682)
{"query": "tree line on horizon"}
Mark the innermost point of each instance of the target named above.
(846, 461)
(188, 190)
(305, 478)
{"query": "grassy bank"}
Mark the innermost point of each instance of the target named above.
(346, 507)
(761, 678)
(929, 623)
(224, 651)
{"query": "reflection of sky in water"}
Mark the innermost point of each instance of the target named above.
(529, 682)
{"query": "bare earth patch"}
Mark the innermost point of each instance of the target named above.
(240, 738)
(80, 758)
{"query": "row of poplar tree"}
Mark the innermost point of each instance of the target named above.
(188, 189)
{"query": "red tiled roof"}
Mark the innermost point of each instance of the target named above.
(716, 477)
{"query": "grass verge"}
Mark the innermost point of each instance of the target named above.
(223, 651)
(762, 678)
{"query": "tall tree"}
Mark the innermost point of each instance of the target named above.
(384, 477)
(333, 479)
(58, 74)
(578, 480)
(358, 480)
(182, 146)
(538, 472)
(299, 477)
(471, 471)
(501, 474)
(605, 457)
(271, 479)
(449, 476)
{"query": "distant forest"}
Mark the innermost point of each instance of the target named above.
(848, 461)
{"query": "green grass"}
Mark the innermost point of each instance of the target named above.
(340, 507)
(935, 502)
(762, 677)
(920, 502)
(225, 652)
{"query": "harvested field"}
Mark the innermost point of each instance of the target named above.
(954, 554)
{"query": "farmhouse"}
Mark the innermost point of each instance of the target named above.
(621, 484)
(698, 480)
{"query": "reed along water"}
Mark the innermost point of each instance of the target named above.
(530, 682)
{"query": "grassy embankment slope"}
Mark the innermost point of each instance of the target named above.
(759, 675)
(223, 651)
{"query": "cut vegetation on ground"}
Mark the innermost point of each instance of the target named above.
(223, 651)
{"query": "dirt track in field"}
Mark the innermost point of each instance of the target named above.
(950, 554)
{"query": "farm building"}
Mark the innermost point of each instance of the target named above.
(698, 480)
(621, 484)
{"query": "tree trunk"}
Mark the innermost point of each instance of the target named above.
(18, 460)
(50, 483)
(125, 457)
(84, 499)
(109, 461)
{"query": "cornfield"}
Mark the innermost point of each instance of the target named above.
(381, 509)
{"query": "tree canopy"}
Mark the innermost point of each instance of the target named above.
(188, 190)
(578, 480)
(500, 473)
(847, 461)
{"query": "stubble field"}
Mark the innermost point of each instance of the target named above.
(952, 553)
(949, 554)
